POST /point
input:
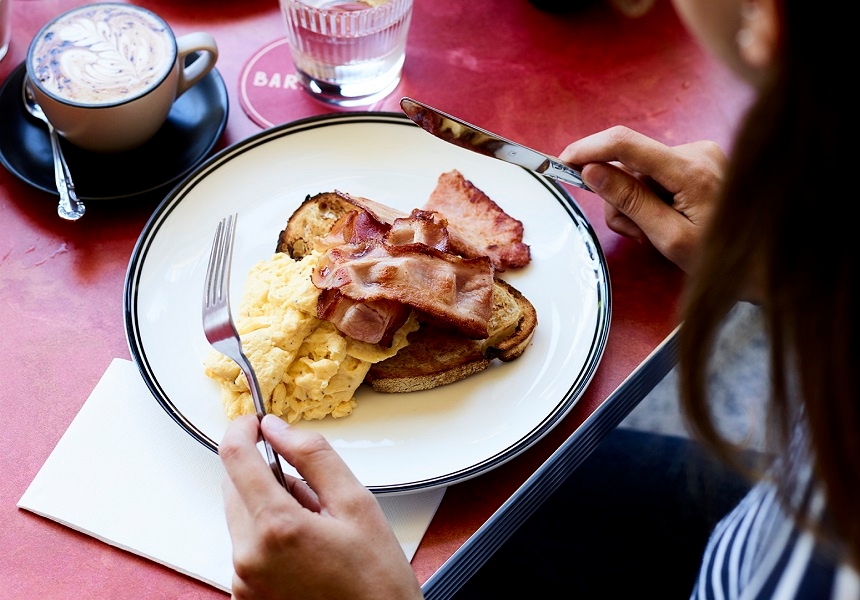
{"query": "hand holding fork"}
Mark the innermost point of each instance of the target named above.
(218, 322)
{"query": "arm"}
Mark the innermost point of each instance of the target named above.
(325, 538)
(652, 192)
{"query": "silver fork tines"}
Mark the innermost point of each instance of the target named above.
(218, 322)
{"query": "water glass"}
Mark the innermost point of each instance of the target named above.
(346, 52)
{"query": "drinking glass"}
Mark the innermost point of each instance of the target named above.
(347, 52)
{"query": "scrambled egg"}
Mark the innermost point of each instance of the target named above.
(306, 368)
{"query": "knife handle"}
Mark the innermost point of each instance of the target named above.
(562, 172)
(556, 169)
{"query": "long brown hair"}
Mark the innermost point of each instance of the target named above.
(783, 227)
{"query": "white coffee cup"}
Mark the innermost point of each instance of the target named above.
(107, 74)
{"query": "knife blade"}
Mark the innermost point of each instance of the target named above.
(468, 136)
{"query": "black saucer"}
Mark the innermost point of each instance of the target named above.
(193, 127)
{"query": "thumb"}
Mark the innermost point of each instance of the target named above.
(639, 201)
(595, 176)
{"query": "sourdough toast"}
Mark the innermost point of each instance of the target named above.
(435, 356)
(310, 222)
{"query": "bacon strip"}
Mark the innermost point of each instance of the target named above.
(477, 225)
(374, 322)
(451, 289)
(422, 227)
(380, 262)
(354, 227)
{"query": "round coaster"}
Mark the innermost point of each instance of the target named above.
(270, 92)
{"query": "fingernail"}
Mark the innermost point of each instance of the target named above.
(594, 176)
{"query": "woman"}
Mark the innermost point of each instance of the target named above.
(753, 229)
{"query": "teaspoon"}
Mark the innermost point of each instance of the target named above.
(70, 207)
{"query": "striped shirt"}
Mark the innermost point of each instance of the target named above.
(758, 551)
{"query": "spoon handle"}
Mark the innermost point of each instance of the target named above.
(69, 207)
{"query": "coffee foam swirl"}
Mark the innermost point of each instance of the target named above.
(103, 55)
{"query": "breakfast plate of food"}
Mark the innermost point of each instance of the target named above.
(431, 311)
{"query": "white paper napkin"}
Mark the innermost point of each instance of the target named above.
(126, 474)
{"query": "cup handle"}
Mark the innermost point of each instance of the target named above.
(200, 42)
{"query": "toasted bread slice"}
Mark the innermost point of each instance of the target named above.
(435, 356)
(312, 220)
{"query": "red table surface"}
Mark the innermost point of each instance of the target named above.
(532, 76)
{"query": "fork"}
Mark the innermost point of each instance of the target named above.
(218, 322)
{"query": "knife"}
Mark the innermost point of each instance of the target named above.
(463, 134)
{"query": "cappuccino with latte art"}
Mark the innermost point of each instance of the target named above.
(102, 54)
(107, 74)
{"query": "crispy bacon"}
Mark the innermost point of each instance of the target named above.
(422, 227)
(477, 225)
(380, 263)
(354, 227)
(373, 220)
(449, 288)
(373, 321)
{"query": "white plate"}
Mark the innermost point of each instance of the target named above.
(394, 443)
